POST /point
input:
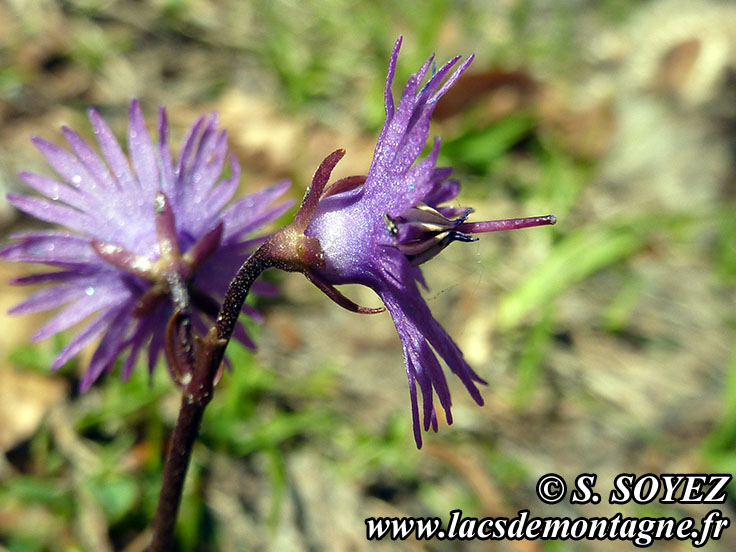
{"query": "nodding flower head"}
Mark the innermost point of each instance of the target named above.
(143, 236)
(375, 230)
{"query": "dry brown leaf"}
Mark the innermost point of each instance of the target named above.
(676, 66)
(25, 398)
(500, 92)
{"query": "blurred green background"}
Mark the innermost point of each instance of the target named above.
(608, 340)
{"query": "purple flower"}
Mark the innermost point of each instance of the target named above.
(142, 234)
(375, 230)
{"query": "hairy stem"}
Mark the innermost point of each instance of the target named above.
(197, 395)
(237, 291)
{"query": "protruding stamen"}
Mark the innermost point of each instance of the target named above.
(391, 226)
(506, 224)
(431, 217)
(338, 297)
(424, 231)
(421, 252)
(425, 213)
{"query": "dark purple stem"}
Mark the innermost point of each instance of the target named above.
(197, 395)
(506, 224)
(237, 291)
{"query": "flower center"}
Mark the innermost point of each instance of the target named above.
(423, 231)
(172, 272)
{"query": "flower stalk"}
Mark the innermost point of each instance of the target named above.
(201, 376)
(288, 249)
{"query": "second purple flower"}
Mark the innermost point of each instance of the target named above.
(143, 233)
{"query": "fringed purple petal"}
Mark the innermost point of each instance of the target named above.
(441, 174)
(415, 184)
(245, 227)
(111, 345)
(388, 95)
(68, 167)
(425, 95)
(442, 192)
(157, 340)
(186, 157)
(417, 128)
(423, 70)
(113, 153)
(249, 213)
(168, 180)
(51, 298)
(95, 166)
(103, 296)
(265, 289)
(254, 314)
(242, 336)
(49, 211)
(142, 152)
(425, 385)
(204, 149)
(429, 362)
(46, 234)
(205, 246)
(403, 137)
(415, 422)
(218, 270)
(208, 163)
(48, 277)
(55, 190)
(420, 360)
(55, 248)
(137, 341)
(386, 152)
(453, 78)
(409, 301)
(83, 338)
(213, 163)
(224, 192)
